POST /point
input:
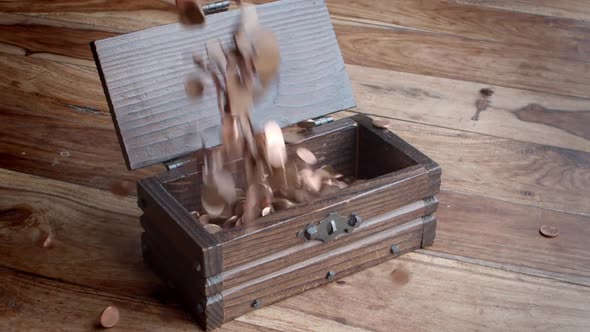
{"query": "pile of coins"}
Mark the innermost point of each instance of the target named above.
(241, 76)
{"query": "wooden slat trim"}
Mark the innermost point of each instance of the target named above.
(312, 272)
(168, 216)
(429, 231)
(367, 199)
(307, 250)
(175, 261)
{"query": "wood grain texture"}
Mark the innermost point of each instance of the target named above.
(509, 65)
(563, 121)
(552, 36)
(144, 73)
(574, 9)
(61, 44)
(82, 224)
(35, 303)
(572, 122)
(61, 288)
(55, 123)
(466, 222)
(509, 170)
(108, 21)
(83, 6)
(105, 234)
(428, 293)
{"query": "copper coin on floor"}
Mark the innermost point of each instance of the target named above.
(381, 123)
(549, 231)
(109, 317)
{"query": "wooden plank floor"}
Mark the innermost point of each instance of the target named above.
(525, 163)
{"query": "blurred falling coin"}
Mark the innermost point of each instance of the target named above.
(266, 211)
(204, 219)
(249, 19)
(549, 231)
(267, 59)
(216, 53)
(381, 123)
(194, 87)
(48, 241)
(282, 203)
(275, 145)
(212, 202)
(339, 184)
(109, 317)
(307, 156)
(230, 222)
(212, 228)
(239, 207)
(311, 180)
(293, 137)
(226, 186)
(190, 12)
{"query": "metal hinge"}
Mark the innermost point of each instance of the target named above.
(175, 163)
(312, 123)
(215, 7)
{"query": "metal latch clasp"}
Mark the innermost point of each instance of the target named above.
(329, 228)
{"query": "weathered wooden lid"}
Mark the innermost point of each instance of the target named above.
(144, 74)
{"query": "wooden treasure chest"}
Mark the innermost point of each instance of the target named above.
(222, 275)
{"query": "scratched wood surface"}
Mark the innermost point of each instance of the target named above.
(523, 164)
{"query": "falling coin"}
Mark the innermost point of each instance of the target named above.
(212, 202)
(194, 87)
(204, 219)
(230, 222)
(311, 180)
(275, 144)
(266, 211)
(307, 156)
(549, 231)
(48, 241)
(381, 123)
(212, 228)
(190, 12)
(109, 317)
(282, 203)
(268, 57)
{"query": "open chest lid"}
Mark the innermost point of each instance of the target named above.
(144, 75)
